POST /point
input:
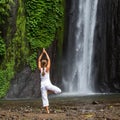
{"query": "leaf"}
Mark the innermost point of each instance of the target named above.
(88, 115)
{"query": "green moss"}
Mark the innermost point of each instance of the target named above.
(44, 18)
(38, 23)
(2, 47)
(16, 51)
(5, 76)
(60, 32)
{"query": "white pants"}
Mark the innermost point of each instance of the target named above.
(44, 89)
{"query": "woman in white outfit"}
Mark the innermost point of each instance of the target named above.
(46, 85)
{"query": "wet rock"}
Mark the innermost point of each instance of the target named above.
(107, 47)
(95, 102)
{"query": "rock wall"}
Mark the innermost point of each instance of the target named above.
(107, 47)
(106, 57)
(26, 83)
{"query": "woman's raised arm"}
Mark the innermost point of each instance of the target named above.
(48, 58)
(39, 60)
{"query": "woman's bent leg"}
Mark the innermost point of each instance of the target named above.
(54, 88)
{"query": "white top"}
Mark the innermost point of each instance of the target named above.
(46, 78)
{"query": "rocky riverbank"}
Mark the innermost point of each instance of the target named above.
(103, 107)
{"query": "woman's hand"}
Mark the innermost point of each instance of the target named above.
(44, 50)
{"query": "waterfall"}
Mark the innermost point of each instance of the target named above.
(78, 65)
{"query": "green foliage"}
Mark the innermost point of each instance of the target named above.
(5, 77)
(2, 47)
(18, 42)
(31, 32)
(15, 52)
(32, 61)
(4, 10)
(4, 14)
(44, 17)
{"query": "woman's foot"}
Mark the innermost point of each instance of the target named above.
(47, 109)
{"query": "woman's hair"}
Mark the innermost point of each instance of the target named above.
(43, 64)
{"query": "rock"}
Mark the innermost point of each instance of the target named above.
(95, 102)
(107, 47)
(26, 84)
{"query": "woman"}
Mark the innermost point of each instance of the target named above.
(46, 85)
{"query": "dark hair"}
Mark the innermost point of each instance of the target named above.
(44, 63)
(43, 73)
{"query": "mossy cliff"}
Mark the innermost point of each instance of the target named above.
(26, 27)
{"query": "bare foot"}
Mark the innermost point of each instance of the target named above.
(48, 111)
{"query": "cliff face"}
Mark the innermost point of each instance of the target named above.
(106, 58)
(25, 83)
(107, 46)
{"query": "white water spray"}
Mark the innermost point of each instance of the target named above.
(79, 78)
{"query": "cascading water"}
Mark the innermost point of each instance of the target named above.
(78, 77)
